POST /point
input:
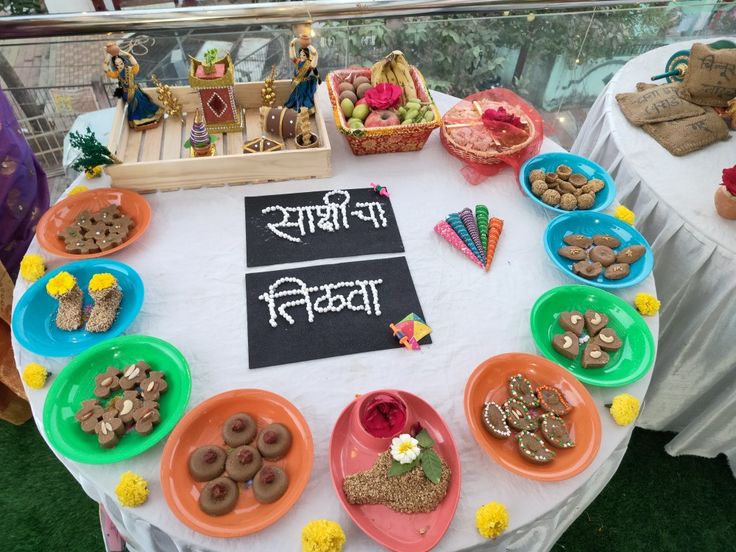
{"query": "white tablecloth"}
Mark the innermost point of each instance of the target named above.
(192, 262)
(693, 389)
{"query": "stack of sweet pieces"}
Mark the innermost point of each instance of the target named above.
(530, 408)
(565, 189)
(135, 409)
(242, 459)
(597, 254)
(475, 236)
(599, 340)
(99, 231)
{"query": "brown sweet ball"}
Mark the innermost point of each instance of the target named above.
(348, 94)
(346, 86)
(596, 184)
(551, 197)
(539, 187)
(536, 174)
(586, 201)
(362, 88)
(357, 81)
(568, 202)
(564, 172)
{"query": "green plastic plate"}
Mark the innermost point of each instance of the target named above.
(76, 383)
(628, 364)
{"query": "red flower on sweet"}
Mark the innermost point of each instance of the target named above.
(383, 96)
(384, 415)
(502, 116)
(729, 180)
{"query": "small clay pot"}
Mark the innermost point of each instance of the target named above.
(203, 152)
(725, 203)
(312, 144)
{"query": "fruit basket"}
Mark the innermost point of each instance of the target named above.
(384, 139)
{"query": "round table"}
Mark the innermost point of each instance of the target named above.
(193, 264)
(693, 389)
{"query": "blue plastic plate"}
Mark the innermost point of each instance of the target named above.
(549, 162)
(34, 318)
(587, 223)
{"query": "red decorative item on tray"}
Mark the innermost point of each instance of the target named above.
(489, 130)
(388, 139)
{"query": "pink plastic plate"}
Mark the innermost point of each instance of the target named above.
(353, 450)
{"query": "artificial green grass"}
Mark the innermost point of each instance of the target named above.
(657, 503)
(654, 502)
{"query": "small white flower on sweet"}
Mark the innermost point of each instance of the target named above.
(404, 448)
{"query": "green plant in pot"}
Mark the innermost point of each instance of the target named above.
(210, 57)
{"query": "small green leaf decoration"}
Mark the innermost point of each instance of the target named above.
(425, 441)
(400, 469)
(431, 465)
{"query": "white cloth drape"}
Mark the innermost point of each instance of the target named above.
(693, 388)
(192, 262)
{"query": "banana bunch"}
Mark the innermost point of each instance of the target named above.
(394, 69)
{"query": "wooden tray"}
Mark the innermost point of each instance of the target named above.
(157, 160)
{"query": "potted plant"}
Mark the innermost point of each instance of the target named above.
(725, 198)
(210, 57)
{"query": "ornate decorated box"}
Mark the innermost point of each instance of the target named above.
(216, 94)
(156, 159)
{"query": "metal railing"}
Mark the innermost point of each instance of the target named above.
(269, 13)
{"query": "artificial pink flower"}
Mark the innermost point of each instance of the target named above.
(383, 96)
(384, 415)
(502, 116)
(729, 180)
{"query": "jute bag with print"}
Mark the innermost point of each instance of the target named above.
(711, 76)
(656, 104)
(690, 134)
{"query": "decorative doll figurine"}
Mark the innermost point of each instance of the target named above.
(306, 77)
(143, 113)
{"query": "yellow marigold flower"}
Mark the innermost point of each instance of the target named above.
(34, 375)
(32, 267)
(102, 281)
(60, 284)
(624, 214)
(646, 304)
(624, 409)
(93, 171)
(78, 189)
(132, 489)
(322, 535)
(492, 519)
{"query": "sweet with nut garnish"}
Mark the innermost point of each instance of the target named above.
(274, 441)
(207, 462)
(239, 429)
(219, 496)
(270, 484)
(494, 420)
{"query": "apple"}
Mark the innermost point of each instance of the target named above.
(382, 118)
(361, 111)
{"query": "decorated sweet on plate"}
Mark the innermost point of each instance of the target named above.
(596, 344)
(555, 431)
(532, 448)
(64, 288)
(597, 255)
(521, 388)
(410, 477)
(207, 463)
(552, 400)
(239, 429)
(243, 463)
(98, 231)
(270, 484)
(105, 291)
(565, 189)
(517, 415)
(274, 441)
(494, 420)
(122, 411)
(219, 496)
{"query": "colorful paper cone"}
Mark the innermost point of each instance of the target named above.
(466, 215)
(481, 220)
(454, 220)
(451, 237)
(494, 233)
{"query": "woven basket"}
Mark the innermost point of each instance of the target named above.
(390, 139)
(470, 155)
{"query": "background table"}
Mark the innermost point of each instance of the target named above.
(693, 389)
(193, 264)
